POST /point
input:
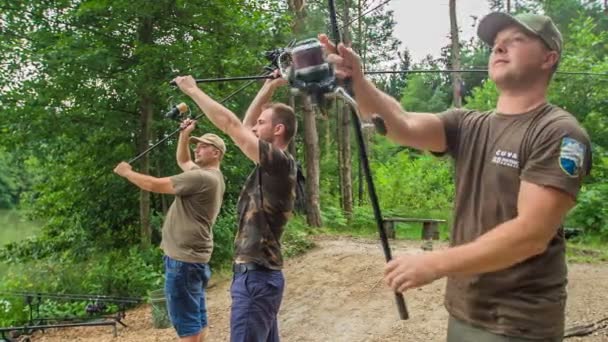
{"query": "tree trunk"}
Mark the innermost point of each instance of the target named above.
(340, 143)
(508, 6)
(144, 196)
(456, 77)
(360, 44)
(311, 139)
(164, 206)
(346, 164)
(344, 124)
(146, 105)
(311, 143)
(292, 144)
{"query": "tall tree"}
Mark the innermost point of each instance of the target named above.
(311, 138)
(346, 154)
(311, 152)
(456, 77)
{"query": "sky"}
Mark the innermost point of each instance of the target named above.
(424, 26)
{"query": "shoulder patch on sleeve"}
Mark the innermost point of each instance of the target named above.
(571, 156)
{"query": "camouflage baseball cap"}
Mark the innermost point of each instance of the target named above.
(210, 139)
(535, 24)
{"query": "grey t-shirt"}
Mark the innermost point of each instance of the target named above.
(493, 153)
(187, 231)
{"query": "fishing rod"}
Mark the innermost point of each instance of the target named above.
(227, 79)
(341, 92)
(273, 56)
(382, 72)
(180, 109)
(439, 71)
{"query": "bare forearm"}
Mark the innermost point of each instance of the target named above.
(423, 131)
(142, 181)
(504, 246)
(372, 100)
(219, 115)
(255, 108)
(182, 154)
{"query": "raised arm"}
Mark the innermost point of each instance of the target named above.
(264, 96)
(182, 154)
(145, 182)
(422, 131)
(222, 118)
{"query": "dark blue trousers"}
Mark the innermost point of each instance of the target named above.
(256, 299)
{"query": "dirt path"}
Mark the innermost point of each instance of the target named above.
(335, 293)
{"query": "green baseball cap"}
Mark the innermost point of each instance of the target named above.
(535, 24)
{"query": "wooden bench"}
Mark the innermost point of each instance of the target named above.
(430, 229)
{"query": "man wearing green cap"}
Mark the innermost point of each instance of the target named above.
(518, 169)
(187, 235)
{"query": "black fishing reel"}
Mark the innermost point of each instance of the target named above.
(177, 112)
(307, 71)
(273, 57)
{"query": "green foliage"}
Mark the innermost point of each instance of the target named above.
(127, 273)
(223, 239)
(9, 181)
(483, 98)
(424, 93)
(333, 217)
(473, 55)
(297, 237)
(415, 185)
(78, 77)
(590, 211)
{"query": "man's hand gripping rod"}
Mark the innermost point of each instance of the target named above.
(183, 109)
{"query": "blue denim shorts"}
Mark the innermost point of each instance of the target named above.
(185, 285)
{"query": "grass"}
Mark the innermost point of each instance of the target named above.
(587, 249)
(403, 231)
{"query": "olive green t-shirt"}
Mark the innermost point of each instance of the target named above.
(493, 152)
(265, 205)
(187, 232)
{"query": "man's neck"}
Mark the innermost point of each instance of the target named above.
(279, 143)
(282, 147)
(210, 166)
(520, 101)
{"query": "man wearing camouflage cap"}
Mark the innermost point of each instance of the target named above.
(187, 235)
(518, 169)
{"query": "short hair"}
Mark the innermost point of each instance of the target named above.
(283, 114)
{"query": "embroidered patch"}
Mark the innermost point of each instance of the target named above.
(571, 156)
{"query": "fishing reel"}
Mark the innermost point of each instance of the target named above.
(177, 112)
(273, 55)
(307, 71)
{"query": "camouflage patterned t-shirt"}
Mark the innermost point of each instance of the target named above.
(265, 205)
